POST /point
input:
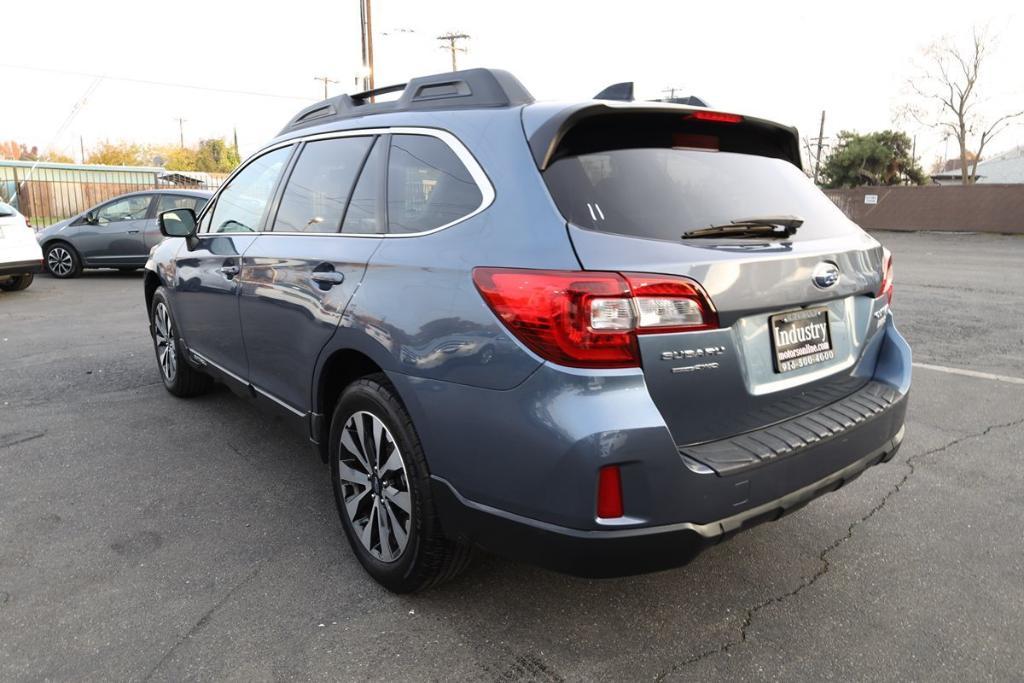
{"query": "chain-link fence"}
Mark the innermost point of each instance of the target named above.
(46, 193)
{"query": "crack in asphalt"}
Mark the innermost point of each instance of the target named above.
(826, 565)
(201, 623)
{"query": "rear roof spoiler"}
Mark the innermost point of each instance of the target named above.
(544, 140)
(472, 88)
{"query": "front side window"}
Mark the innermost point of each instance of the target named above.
(428, 186)
(167, 202)
(127, 209)
(319, 186)
(241, 205)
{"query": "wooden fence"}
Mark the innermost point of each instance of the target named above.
(952, 208)
(46, 193)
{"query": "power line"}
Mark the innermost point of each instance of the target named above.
(144, 81)
(451, 38)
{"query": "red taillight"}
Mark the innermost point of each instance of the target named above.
(716, 116)
(591, 319)
(609, 492)
(887, 276)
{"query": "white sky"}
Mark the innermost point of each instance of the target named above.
(783, 60)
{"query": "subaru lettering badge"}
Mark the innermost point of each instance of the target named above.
(825, 275)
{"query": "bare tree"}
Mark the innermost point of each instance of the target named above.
(948, 98)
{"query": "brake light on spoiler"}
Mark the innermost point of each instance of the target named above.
(716, 116)
(590, 319)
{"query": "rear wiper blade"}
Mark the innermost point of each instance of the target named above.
(761, 226)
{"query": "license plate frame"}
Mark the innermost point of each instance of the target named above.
(800, 339)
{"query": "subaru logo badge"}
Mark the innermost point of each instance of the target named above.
(825, 275)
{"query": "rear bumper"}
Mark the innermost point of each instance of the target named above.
(21, 267)
(622, 552)
(516, 471)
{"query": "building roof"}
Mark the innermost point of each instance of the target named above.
(1004, 168)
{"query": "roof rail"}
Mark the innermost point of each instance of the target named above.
(469, 89)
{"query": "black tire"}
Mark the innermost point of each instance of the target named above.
(17, 283)
(179, 377)
(62, 261)
(428, 557)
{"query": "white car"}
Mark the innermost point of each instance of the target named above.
(20, 254)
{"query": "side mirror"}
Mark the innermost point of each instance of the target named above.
(178, 223)
(92, 218)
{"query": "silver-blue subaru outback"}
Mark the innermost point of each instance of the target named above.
(596, 335)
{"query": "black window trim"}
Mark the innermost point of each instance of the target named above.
(287, 176)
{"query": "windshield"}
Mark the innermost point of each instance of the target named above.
(7, 210)
(661, 193)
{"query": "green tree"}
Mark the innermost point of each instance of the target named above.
(178, 158)
(211, 156)
(119, 154)
(216, 156)
(880, 158)
(57, 156)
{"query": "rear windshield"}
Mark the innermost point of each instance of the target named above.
(662, 192)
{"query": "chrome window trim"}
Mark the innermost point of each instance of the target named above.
(476, 171)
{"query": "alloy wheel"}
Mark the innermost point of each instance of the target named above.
(375, 486)
(59, 261)
(163, 336)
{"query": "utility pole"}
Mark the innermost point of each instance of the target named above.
(366, 21)
(81, 147)
(181, 131)
(821, 139)
(234, 130)
(450, 38)
(325, 80)
(670, 91)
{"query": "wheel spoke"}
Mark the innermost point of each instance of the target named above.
(355, 450)
(393, 462)
(399, 499)
(396, 527)
(352, 476)
(366, 535)
(378, 428)
(352, 503)
(383, 534)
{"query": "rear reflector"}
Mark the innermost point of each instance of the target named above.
(887, 276)
(716, 116)
(589, 319)
(609, 492)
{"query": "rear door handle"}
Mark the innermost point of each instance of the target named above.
(133, 232)
(328, 277)
(228, 271)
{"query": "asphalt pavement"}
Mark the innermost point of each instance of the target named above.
(147, 537)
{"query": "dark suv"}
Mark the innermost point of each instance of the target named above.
(596, 336)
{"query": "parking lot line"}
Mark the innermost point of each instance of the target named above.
(970, 373)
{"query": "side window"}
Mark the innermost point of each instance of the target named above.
(166, 202)
(242, 203)
(363, 215)
(319, 186)
(127, 209)
(428, 186)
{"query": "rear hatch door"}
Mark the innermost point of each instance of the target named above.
(797, 314)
